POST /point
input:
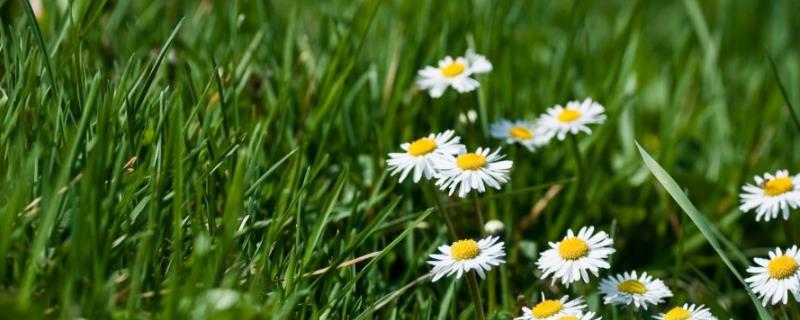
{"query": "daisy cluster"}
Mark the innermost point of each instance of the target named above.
(578, 256)
(775, 278)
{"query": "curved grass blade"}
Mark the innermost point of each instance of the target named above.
(699, 220)
(785, 94)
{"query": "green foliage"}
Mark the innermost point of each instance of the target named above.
(219, 159)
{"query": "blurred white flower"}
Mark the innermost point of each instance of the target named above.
(523, 132)
(559, 121)
(494, 226)
(453, 73)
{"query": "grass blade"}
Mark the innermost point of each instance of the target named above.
(785, 94)
(699, 220)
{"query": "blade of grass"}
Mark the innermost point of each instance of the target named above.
(785, 94)
(699, 220)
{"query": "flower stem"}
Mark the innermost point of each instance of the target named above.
(442, 212)
(472, 283)
(578, 158)
(478, 212)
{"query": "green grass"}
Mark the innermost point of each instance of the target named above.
(210, 159)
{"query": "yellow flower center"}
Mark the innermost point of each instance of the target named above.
(569, 115)
(677, 313)
(421, 147)
(778, 186)
(453, 69)
(782, 267)
(520, 133)
(632, 287)
(471, 161)
(464, 249)
(572, 248)
(546, 308)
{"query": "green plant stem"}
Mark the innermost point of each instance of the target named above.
(442, 212)
(472, 283)
(578, 158)
(476, 200)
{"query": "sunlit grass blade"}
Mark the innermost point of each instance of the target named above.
(699, 220)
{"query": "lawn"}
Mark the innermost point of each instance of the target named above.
(233, 159)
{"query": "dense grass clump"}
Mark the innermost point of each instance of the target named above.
(227, 159)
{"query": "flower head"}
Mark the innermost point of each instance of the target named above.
(558, 121)
(628, 288)
(571, 258)
(454, 73)
(525, 133)
(472, 171)
(465, 255)
(554, 309)
(774, 278)
(421, 154)
(771, 195)
(687, 312)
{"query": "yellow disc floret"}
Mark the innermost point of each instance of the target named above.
(547, 308)
(569, 115)
(464, 249)
(782, 267)
(521, 133)
(573, 248)
(453, 69)
(632, 286)
(421, 147)
(778, 186)
(471, 161)
(677, 313)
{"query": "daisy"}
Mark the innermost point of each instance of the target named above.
(774, 278)
(628, 288)
(687, 312)
(421, 154)
(470, 171)
(553, 309)
(570, 258)
(771, 195)
(465, 255)
(453, 73)
(522, 132)
(572, 119)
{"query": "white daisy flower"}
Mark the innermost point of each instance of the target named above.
(465, 255)
(522, 132)
(421, 154)
(687, 312)
(470, 171)
(558, 121)
(628, 288)
(453, 73)
(570, 258)
(554, 309)
(771, 195)
(774, 278)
